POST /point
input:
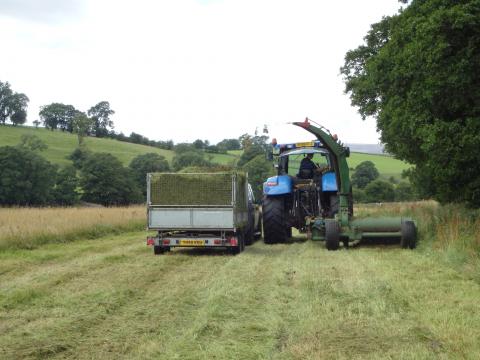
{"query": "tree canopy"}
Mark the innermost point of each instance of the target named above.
(58, 116)
(100, 116)
(143, 164)
(105, 181)
(365, 172)
(13, 106)
(417, 74)
(25, 178)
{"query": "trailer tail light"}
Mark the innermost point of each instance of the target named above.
(166, 242)
(217, 242)
(150, 241)
(233, 241)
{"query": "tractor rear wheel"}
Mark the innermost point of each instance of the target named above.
(289, 231)
(332, 235)
(274, 220)
(409, 235)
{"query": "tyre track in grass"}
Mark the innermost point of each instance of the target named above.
(241, 316)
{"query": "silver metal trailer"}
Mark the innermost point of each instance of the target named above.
(197, 210)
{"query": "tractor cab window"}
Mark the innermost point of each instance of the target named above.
(291, 164)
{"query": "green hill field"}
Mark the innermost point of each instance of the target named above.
(61, 144)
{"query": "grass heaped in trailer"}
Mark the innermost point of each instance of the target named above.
(170, 189)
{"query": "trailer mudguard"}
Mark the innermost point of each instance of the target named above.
(329, 182)
(278, 185)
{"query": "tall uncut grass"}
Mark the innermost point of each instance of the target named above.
(449, 229)
(28, 228)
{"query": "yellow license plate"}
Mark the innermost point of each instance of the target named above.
(189, 242)
(305, 144)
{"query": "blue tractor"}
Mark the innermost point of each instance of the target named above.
(299, 191)
(312, 193)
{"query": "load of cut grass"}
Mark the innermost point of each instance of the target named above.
(213, 189)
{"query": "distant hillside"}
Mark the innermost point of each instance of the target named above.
(61, 144)
(367, 148)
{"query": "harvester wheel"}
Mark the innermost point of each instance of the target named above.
(332, 235)
(409, 235)
(158, 250)
(274, 222)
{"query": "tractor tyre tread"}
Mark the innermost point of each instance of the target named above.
(274, 222)
(409, 235)
(332, 235)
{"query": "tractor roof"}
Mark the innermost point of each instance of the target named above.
(304, 151)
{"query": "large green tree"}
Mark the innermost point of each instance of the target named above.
(365, 172)
(379, 191)
(65, 191)
(143, 164)
(417, 74)
(189, 158)
(100, 115)
(105, 181)
(13, 106)
(58, 116)
(25, 177)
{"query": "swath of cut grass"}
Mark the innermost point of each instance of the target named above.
(28, 228)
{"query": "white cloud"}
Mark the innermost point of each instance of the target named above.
(186, 69)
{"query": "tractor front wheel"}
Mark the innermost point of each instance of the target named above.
(274, 220)
(332, 235)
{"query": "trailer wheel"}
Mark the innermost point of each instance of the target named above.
(409, 235)
(241, 244)
(250, 231)
(274, 222)
(332, 235)
(158, 250)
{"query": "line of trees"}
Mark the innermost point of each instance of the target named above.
(417, 75)
(95, 122)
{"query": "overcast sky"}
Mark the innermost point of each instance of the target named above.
(189, 69)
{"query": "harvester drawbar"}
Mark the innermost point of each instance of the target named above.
(318, 199)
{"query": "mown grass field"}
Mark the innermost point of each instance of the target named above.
(61, 144)
(112, 298)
